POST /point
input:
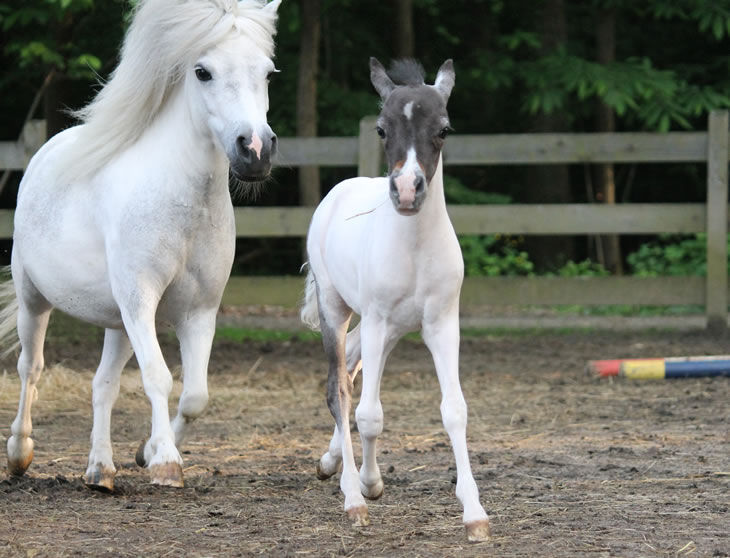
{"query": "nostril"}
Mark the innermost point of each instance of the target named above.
(241, 144)
(274, 144)
(420, 184)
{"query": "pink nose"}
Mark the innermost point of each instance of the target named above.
(406, 185)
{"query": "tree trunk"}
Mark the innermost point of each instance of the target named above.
(404, 37)
(606, 122)
(309, 183)
(550, 183)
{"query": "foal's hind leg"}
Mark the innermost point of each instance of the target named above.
(117, 352)
(334, 317)
(330, 461)
(33, 314)
(442, 338)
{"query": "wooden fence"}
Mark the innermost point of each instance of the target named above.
(364, 153)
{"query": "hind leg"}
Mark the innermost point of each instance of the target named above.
(117, 352)
(33, 313)
(330, 461)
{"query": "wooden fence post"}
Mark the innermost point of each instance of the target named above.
(369, 155)
(717, 215)
(32, 137)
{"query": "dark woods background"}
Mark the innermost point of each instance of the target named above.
(522, 66)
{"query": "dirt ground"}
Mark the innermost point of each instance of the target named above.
(567, 465)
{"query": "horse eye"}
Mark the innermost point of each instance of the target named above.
(380, 131)
(202, 74)
(443, 133)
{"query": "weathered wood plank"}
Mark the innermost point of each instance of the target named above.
(491, 219)
(625, 147)
(504, 291)
(588, 291)
(12, 155)
(717, 195)
(370, 151)
(323, 151)
(272, 221)
(578, 218)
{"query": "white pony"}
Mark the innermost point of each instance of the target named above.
(126, 220)
(399, 266)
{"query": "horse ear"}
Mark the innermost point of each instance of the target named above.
(380, 80)
(445, 79)
(272, 7)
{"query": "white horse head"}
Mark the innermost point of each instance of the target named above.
(218, 53)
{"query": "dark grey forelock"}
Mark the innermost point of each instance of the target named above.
(407, 72)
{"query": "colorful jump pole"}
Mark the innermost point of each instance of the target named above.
(662, 368)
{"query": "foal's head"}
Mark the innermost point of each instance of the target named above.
(413, 124)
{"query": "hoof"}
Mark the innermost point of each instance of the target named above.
(374, 492)
(139, 456)
(167, 474)
(101, 479)
(323, 475)
(478, 531)
(359, 516)
(19, 456)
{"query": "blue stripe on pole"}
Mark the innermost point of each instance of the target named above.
(692, 369)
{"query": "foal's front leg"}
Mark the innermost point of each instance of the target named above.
(442, 339)
(377, 342)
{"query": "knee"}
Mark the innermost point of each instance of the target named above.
(453, 413)
(369, 420)
(192, 405)
(30, 369)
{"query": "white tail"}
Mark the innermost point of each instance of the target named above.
(310, 309)
(8, 316)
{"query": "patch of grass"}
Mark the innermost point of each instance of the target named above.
(239, 334)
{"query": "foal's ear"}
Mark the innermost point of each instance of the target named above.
(445, 79)
(380, 80)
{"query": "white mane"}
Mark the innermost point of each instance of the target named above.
(164, 39)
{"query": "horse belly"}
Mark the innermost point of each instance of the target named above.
(72, 276)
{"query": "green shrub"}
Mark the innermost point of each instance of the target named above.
(670, 255)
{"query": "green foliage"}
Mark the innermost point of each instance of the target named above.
(671, 255)
(586, 268)
(494, 255)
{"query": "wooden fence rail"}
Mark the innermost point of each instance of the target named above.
(364, 152)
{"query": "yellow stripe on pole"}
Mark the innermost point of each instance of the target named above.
(643, 369)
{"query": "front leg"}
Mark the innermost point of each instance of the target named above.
(117, 351)
(442, 339)
(196, 340)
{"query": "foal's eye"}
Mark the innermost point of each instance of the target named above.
(202, 74)
(443, 133)
(380, 131)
